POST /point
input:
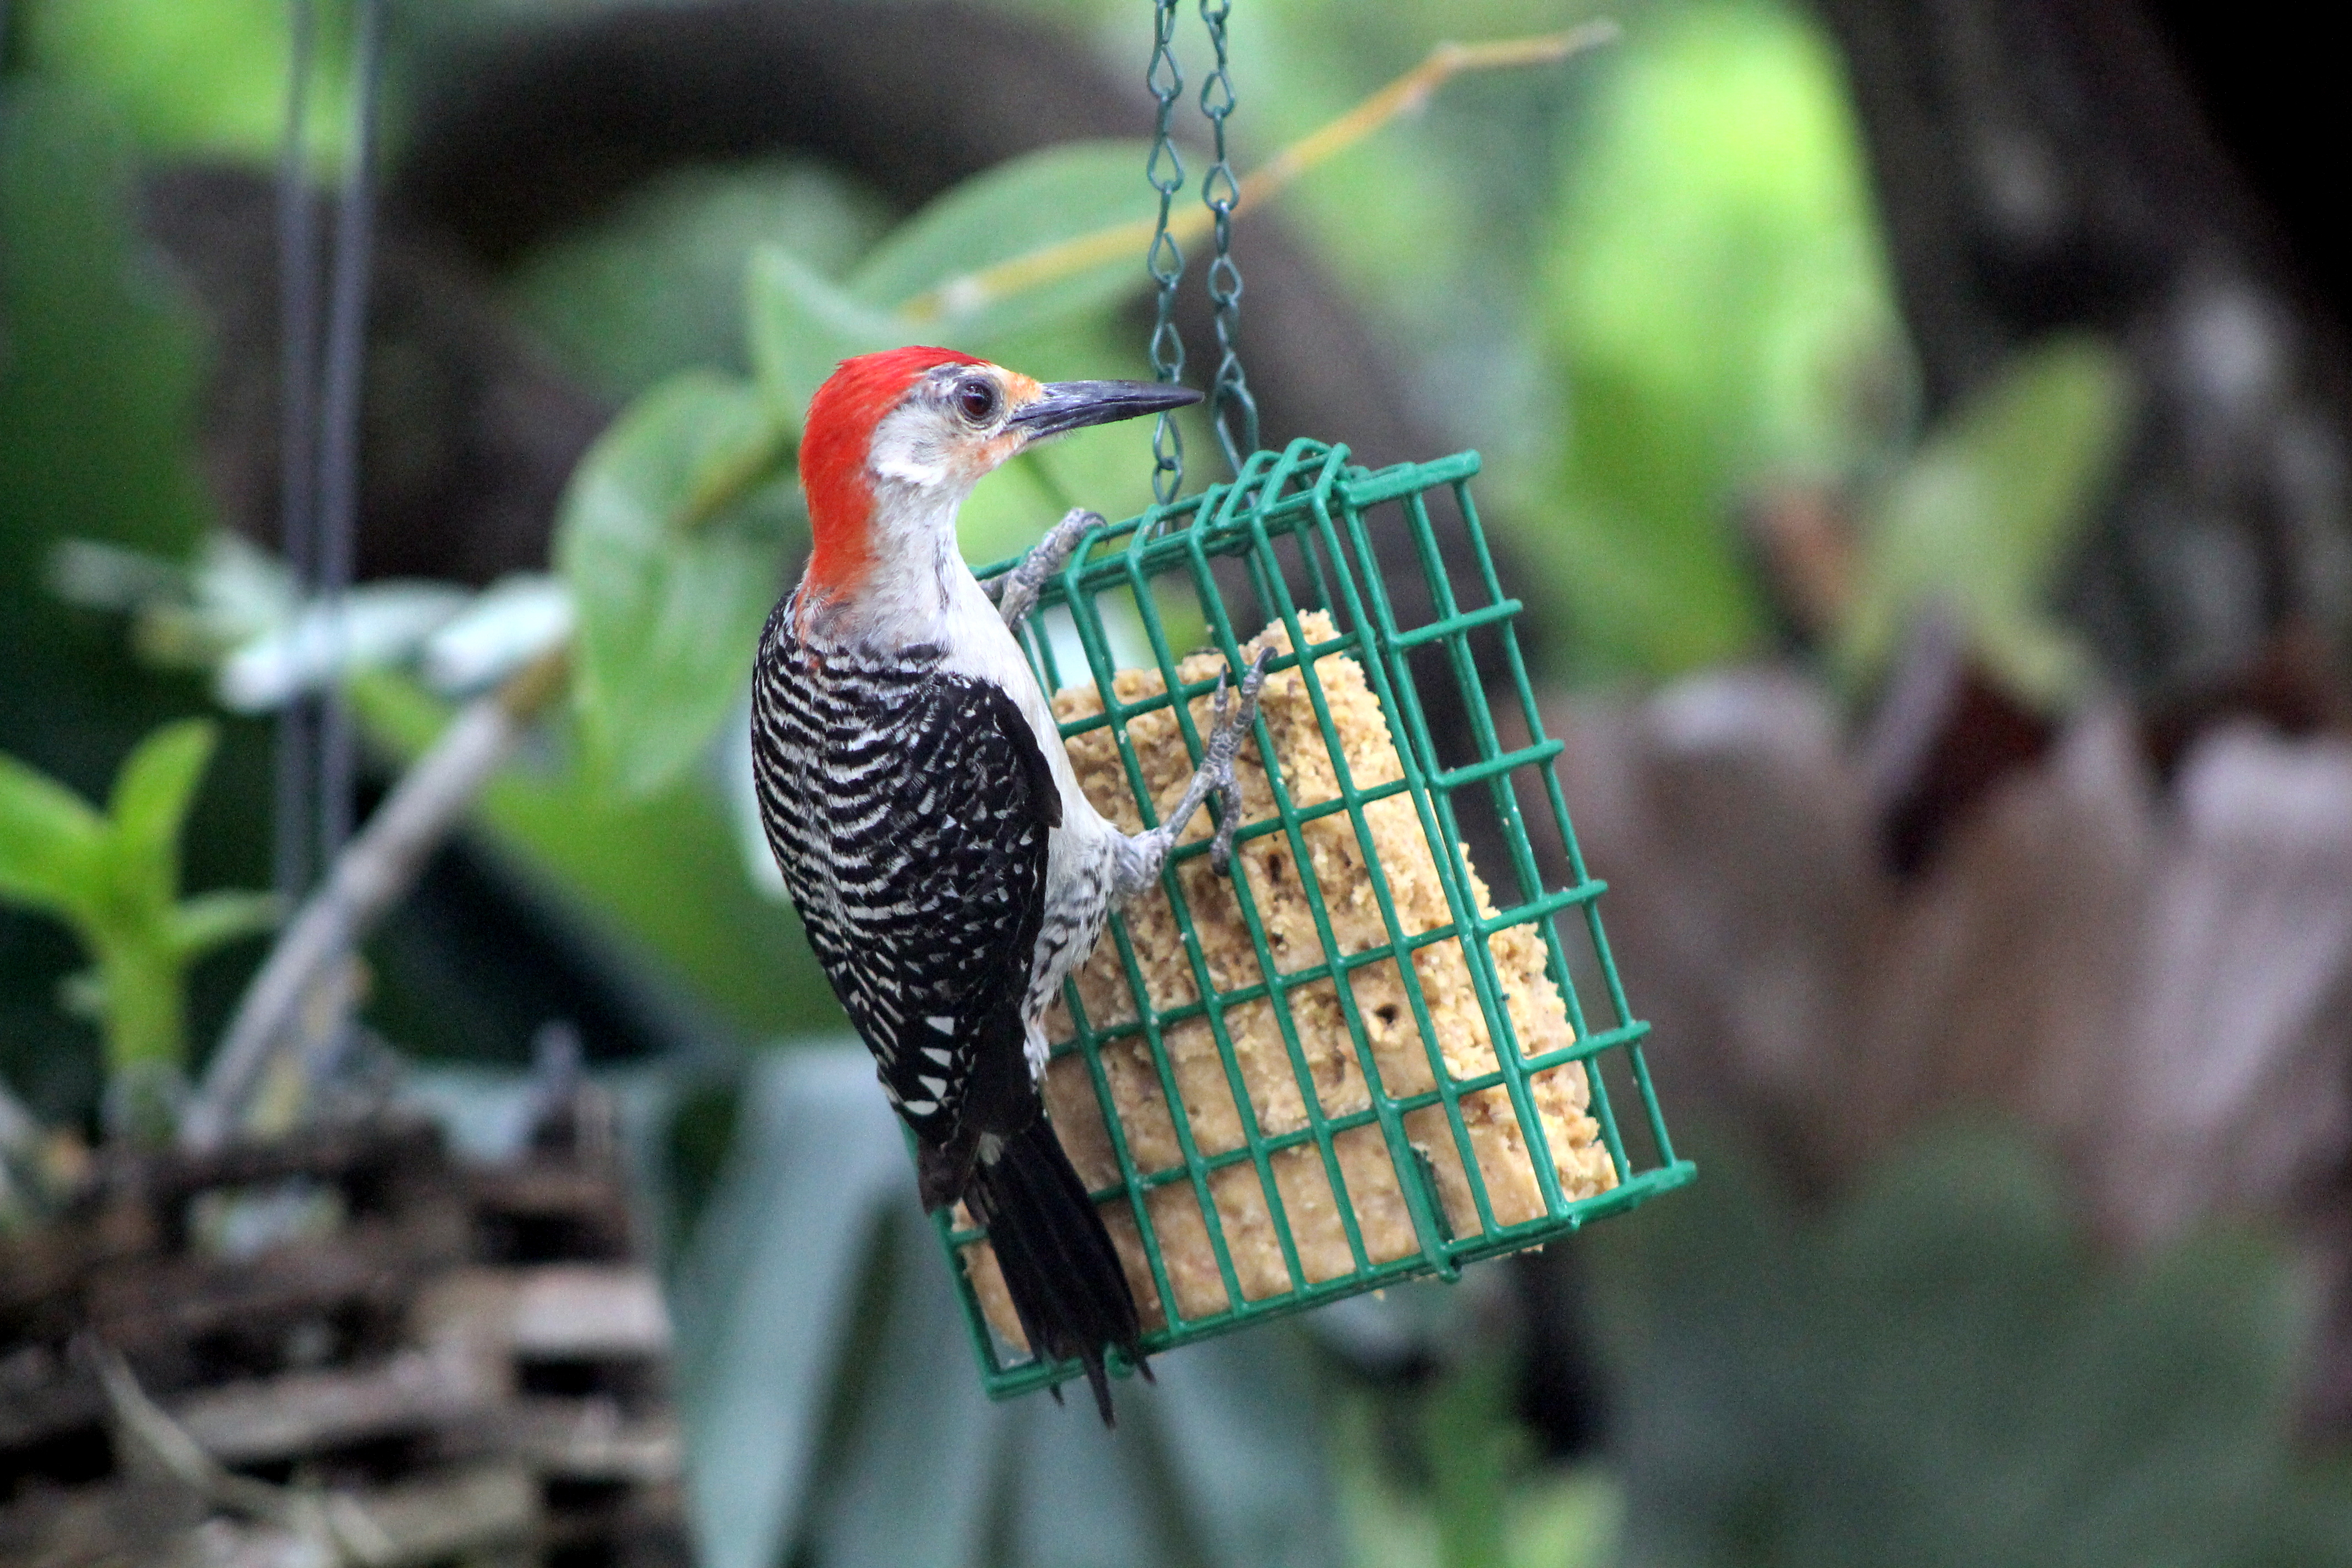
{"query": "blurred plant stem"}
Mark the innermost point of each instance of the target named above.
(372, 873)
(1052, 263)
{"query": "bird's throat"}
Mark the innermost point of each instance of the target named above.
(893, 582)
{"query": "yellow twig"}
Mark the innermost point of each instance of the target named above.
(1067, 257)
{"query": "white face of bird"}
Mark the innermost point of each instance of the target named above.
(953, 427)
(884, 490)
(960, 422)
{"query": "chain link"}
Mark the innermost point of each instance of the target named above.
(1233, 411)
(1229, 393)
(1165, 260)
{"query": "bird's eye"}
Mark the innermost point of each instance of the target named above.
(977, 400)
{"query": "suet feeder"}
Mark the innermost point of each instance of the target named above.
(1381, 1047)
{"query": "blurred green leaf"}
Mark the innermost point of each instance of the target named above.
(1412, 1499)
(800, 325)
(52, 845)
(150, 801)
(99, 357)
(1941, 1370)
(195, 76)
(1567, 1520)
(1244, 1426)
(783, 1241)
(862, 1434)
(1020, 206)
(115, 880)
(1388, 1527)
(880, 1496)
(1472, 1444)
(670, 539)
(1719, 308)
(656, 285)
(210, 919)
(1984, 516)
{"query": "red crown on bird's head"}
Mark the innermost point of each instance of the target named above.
(834, 443)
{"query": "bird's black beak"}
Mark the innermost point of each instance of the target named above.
(1073, 404)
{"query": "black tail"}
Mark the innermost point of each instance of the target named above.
(1059, 1266)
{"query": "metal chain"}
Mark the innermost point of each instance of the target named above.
(1229, 393)
(1165, 260)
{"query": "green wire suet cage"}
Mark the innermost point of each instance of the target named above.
(1297, 533)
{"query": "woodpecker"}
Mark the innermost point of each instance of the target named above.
(948, 869)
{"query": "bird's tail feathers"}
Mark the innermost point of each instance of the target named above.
(1060, 1268)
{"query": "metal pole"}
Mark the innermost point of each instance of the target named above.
(339, 424)
(295, 813)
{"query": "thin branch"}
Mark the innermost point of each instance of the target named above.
(375, 869)
(340, 1524)
(1051, 263)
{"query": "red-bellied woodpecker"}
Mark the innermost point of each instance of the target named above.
(925, 816)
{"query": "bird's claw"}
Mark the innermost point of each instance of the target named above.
(1231, 726)
(1016, 591)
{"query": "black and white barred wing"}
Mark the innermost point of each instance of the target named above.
(913, 836)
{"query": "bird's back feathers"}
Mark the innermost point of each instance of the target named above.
(911, 813)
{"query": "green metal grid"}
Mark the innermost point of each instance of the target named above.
(1126, 580)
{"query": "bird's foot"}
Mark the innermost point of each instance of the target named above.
(1016, 591)
(1144, 854)
(1231, 727)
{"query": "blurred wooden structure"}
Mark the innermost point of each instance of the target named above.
(346, 1347)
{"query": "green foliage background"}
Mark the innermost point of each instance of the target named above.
(1645, 285)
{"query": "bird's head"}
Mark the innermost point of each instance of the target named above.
(895, 441)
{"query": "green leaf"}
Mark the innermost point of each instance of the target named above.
(690, 234)
(103, 357)
(1021, 206)
(863, 1435)
(213, 920)
(800, 325)
(803, 323)
(115, 881)
(882, 1496)
(1568, 1520)
(1719, 308)
(1985, 515)
(815, 1164)
(671, 548)
(1472, 1444)
(82, 994)
(196, 75)
(52, 845)
(150, 799)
